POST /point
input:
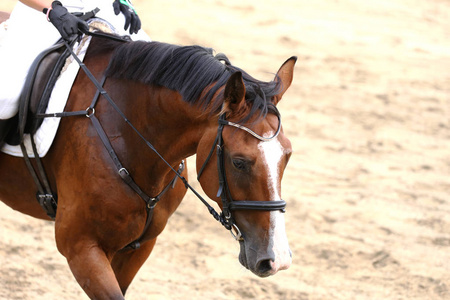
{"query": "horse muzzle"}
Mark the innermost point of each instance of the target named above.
(264, 263)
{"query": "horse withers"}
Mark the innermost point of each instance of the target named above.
(164, 103)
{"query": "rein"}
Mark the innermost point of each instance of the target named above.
(225, 217)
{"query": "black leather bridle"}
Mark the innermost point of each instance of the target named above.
(229, 205)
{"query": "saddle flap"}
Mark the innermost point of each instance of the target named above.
(46, 72)
(36, 93)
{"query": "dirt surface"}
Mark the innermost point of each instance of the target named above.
(368, 187)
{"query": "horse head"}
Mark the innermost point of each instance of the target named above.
(252, 154)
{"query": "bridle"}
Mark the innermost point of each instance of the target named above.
(229, 205)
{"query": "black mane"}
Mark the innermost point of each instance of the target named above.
(187, 70)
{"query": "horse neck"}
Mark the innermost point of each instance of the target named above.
(171, 125)
(182, 124)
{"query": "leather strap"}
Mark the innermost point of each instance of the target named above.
(224, 218)
(258, 205)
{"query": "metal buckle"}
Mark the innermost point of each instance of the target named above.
(90, 111)
(126, 173)
(48, 203)
(152, 203)
(238, 235)
(227, 215)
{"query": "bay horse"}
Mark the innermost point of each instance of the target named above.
(169, 102)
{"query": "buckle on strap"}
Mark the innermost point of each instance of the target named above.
(236, 232)
(48, 203)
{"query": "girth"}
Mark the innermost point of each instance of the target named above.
(33, 100)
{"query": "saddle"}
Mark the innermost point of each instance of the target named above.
(35, 95)
(37, 90)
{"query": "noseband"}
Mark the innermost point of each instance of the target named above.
(224, 193)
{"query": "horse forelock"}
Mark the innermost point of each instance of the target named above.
(188, 70)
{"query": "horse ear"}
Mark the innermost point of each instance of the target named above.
(285, 74)
(234, 93)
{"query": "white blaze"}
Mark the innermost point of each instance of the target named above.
(272, 152)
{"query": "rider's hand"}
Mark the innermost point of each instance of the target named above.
(66, 23)
(131, 18)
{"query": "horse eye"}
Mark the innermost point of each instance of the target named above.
(240, 164)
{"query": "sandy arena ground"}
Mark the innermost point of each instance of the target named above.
(368, 187)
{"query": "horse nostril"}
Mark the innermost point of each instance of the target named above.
(265, 267)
